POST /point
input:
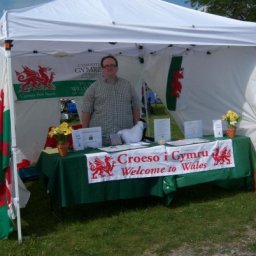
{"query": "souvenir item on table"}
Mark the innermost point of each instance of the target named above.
(193, 129)
(232, 119)
(62, 148)
(162, 130)
(115, 139)
(60, 133)
(133, 134)
(217, 128)
(231, 131)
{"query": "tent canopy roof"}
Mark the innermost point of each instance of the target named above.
(118, 25)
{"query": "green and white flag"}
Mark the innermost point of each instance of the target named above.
(5, 139)
(174, 86)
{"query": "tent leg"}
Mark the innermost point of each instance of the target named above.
(16, 200)
(146, 107)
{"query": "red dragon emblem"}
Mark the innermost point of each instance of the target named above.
(37, 80)
(221, 156)
(176, 84)
(101, 168)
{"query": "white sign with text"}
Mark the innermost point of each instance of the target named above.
(217, 128)
(162, 129)
(193, 129)
(159, 161)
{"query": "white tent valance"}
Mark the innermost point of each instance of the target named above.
(79, 25)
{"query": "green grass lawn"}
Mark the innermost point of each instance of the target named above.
(202, 220)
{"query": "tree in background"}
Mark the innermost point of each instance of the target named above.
(236, 9)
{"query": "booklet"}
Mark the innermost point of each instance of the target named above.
(162, 129)
(125, 147)
(193, 129)
(77, 140)
(87, 137)
(187, 142)
(217, 128)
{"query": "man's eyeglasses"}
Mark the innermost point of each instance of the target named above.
(110, 66)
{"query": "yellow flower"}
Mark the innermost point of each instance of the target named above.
(231, 117)
(61, 132)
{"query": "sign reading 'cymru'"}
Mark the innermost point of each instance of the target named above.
(159, 161)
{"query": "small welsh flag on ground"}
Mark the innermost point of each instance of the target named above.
(6, 226)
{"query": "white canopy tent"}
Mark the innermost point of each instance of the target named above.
(218, 58)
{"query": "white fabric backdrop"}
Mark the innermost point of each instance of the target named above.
(34, 117)
(213, 83)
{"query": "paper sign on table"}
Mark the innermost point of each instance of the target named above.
(92, 137)
(193, 129)
(217, 128)
(162, 129)
(87, 137)
(77, 140)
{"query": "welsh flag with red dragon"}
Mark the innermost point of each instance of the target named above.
(174, 86)
(6, 226)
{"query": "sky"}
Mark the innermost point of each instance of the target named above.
(14, 4)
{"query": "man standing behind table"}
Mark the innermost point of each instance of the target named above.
(110, 102)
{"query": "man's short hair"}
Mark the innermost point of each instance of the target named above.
(108, 57)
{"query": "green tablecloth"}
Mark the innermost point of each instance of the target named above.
(240, 176)
(67, 181)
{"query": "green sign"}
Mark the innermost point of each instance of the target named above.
(59, 89)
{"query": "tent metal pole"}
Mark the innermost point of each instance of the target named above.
(146, 107)
(13, 144)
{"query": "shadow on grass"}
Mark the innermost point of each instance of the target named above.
(39, 220)
(204, 193)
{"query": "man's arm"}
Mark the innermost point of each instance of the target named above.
(136, 116)
(86, 117)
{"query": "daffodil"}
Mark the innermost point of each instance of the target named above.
(61, 132)
(231, 117)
